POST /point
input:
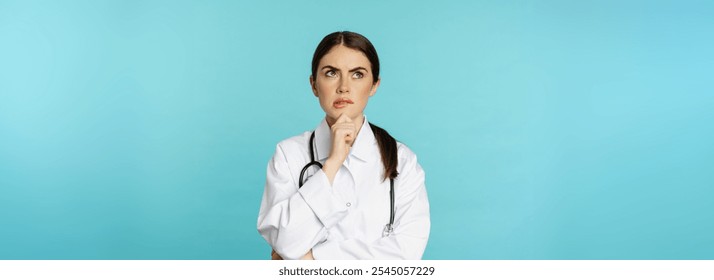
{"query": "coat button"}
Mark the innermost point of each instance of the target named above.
(349, 204)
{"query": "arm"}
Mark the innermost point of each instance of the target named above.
(293, 221)
(411, 225)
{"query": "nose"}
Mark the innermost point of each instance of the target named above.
(343, 87)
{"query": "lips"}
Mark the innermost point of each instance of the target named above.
(341, 103)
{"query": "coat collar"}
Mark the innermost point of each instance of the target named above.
(364, 148)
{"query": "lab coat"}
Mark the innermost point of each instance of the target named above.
(345, 219)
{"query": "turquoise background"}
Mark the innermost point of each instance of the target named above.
(548, 130)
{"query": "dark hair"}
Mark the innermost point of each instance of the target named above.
(387, 144)
(351, 40)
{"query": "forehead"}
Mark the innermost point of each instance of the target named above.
(344, 57)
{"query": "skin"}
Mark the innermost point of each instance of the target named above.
(341, 73)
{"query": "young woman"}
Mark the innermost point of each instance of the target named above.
(346, 190)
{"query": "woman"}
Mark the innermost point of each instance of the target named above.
(366, 199)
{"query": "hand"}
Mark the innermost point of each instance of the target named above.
(343, 135)
(308, 256)
(275, 256)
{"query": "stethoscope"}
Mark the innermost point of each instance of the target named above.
(388, 228)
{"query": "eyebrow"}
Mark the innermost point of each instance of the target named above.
(351, 70)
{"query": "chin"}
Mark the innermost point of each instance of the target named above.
(336, 114)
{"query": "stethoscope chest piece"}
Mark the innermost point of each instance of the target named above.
(388, 229)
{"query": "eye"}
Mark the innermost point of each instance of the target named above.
(358, 75)
(330, 73)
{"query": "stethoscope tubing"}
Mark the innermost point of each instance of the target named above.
(311, 163)
(389, 227)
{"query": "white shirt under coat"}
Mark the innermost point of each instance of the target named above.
(344, 220)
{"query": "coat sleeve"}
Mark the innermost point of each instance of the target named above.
(293, 221)
(411, 225)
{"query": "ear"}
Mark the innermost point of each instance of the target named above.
(374, 87)
(313, 86)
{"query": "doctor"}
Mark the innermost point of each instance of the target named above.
(366, 199)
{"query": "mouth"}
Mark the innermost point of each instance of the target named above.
(341, 103)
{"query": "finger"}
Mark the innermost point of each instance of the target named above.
(350, 125)
(342, 130)
(344, 127)
(343, 118)
(345, 133)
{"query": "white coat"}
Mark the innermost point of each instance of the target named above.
(344, 220)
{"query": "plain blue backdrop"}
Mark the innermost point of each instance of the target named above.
(547, 129)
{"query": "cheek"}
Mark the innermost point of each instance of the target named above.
(324, 97)
(365, 89)
(324, 87)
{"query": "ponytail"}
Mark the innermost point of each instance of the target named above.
(388, 150)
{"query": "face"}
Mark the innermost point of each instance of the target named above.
(343, 83)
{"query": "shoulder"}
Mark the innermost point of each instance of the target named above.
(296, 140)
(294, 145)
(406, 157)
(411, 176)
(403, 151)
